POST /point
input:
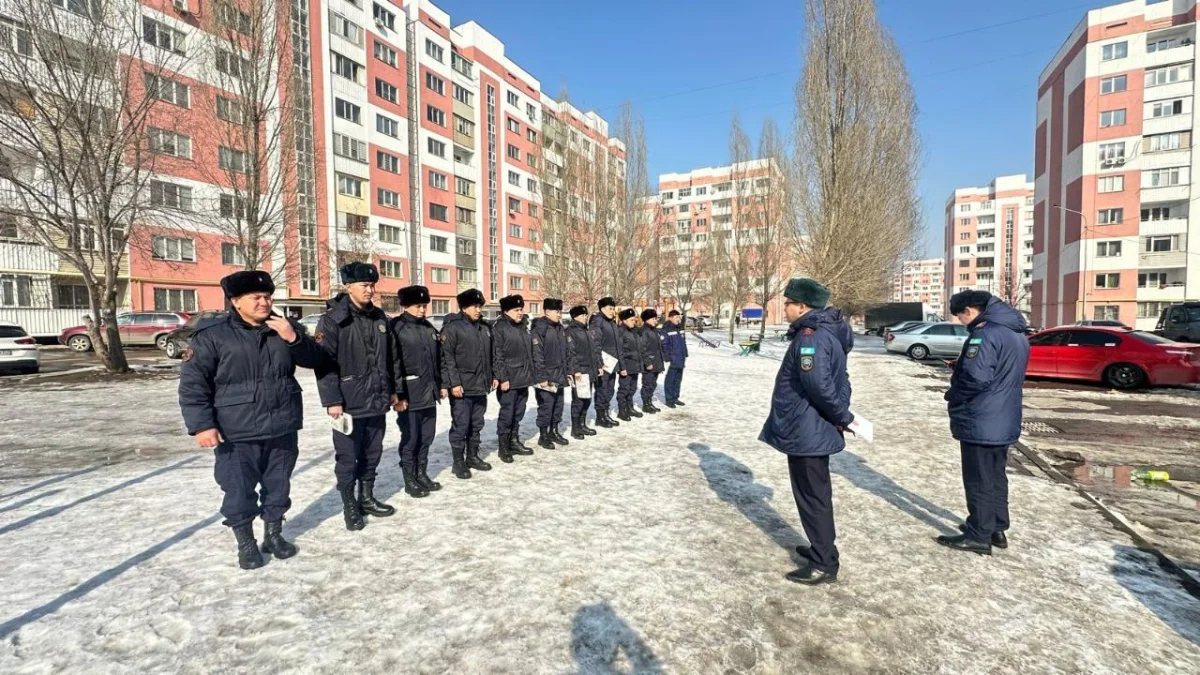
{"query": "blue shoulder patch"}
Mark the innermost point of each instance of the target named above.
(976, 341)
(808, 350)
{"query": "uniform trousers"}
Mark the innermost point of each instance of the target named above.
(466, 420)
(649, 386)
(356, 456)
(629, 384)
(813, 492)
(550, 407)
(986, 485)
(673, 384)
(606, 386)
(243, 466)
(512, 410)
(417, 429)
(579, 406)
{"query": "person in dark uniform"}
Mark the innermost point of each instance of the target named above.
(652, 356)
(467, 373)
(417, 378)
(810, 411)
(603, 327)
(629, 365)
(358, 382)
(553, 361)
(239, 397)
(512, 367)
(586, 369)
(675, 346)
(984, 400)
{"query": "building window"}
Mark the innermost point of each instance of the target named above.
(514, 257)
(468, 275)
(463, 95)
(349, 185)
(165, 142)
(232, 65)
(1159, 76)
(177, 249)
(437, 180)
(464, 217)
(387, 126)
(1164, 142)
(1165, 177)
(1161, 244)
(232, 254)
(437, 148)
(435, 115)
(161, 36)
(1112, 85)
(1106, 313)
(1108, 280)
(393, 269)
(232, 206)
(16, 291)
(390, 234)
(964, 277)
(966, 262)
(438, 244)
(435, 83)
(514, 152)
(461, 64)
(347, 111)
(531, 112)
(1167, 108)
(1163, 45)
(1156, 213)
(1110, 184)
(1110, 216)
(513, 99)
(441, 275)
(1151, 310)
(232, 160)
(387, 162)
(516, 283)
(440, 307)
(1112, 118)
(963, 236)
(231, 111)
(963, 208)
(170, 195)
(382, 16)
(514, 179)
(166, 89)
(435, 51)
(1114, 51)
(513, 125)
(1152, 280)
(352, 148)
(1112, 153)
(1108, 249)
(531, 135)
(386, 91)
(174, 300)
(346, 68)
(345, 28)
(964, 250)
(514, 205)
(388, 198)
(464, 126)
(69, 296)
(514, 231)
(533, 210)
(385, 53)
(439, 212)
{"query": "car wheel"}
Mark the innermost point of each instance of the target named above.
(1124, 376)
(79, 343)
(918, 352)
(172, 349)
(161, 342)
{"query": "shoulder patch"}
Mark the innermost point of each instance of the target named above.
(808, 331)
(972, 351)
(808, 350)
(976, 341)
(188, 354)
(569, 339)
(319, 337)
(806, 362)
(535, 341)
(382, 328)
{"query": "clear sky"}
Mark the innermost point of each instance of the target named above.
(689, 65)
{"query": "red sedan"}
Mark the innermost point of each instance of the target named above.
(1119, 357)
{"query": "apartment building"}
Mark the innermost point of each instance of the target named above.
(1115, 173)
(989, 240)
(922, 281)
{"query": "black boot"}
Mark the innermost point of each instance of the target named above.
(275, 544)
(249, 558)
(423, 477)
(603, 420)
(679, 403)
(411, 485)
(670, 404)
(474, 460)
(964, 543)
(460, 462)
(519, 448)
(544, 439)
(557, 437)
(649, 407)
(999, 539)
(367, 502)
(632, 410)
(623, 412)
(587, 431)
(577, 430)
(505, 450)
(350, 511)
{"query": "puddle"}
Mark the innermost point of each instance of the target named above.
(1121, 477)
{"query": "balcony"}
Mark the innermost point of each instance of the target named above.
(1169, 193)
(1170, 226)
(464, 229)
(1168, 56)
(466, 261)
(1163, 260)
(1171, 292)
(27, 257)
(1162, 125)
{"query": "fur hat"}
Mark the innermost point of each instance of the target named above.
(578, 311)
(964, 299)
(807, 291)
(552, 304)
(606, 302)
(627, 314)
(511, 302)
(648, 314)
(471, 298)
(359, 272)
(672, 313)
(247, 281)
(413, 295)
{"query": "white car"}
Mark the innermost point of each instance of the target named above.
(310, 323)
(939, 339)
(18, 351)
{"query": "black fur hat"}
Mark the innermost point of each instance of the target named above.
(359, 272)
(247, 281)
(972, 298)
(627, 314)
(672, 313)
(648, 314)
(511, 302)
(471, 298)
(578, 311)
(552, 304)
(606, 302)
(413, 295)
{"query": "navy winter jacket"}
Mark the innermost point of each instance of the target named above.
(650, 342)
(604, 338)
(467, 355)
(553, 352)
(512, 353)
(675, 344)
(359, 372)
(240, 379)
(985, 390)
(812, 390)
(586, 362)
(630, 357)
(417, 363)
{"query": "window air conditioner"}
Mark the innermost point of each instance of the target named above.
(180, 5)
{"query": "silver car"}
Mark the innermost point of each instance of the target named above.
(938, 339)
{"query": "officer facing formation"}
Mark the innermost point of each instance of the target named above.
(675, 347)
(652, 356)
(357, 382)
(984, 401)
(587, 368)
(467, 373)
(239, 397)
(810, 411)
(512, 367)
(629, 356)
(554, 362)
(605, 340)
(417, 377)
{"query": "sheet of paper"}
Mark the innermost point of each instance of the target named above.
(610, 362)
(583, 387)
(862, 427)
(552, 388)
(343, 424)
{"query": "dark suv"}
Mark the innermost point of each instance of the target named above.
(179, 339)
(1180, 322)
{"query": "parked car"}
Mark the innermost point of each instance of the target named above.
(902, 327)
(938, 339)
(1180, 322)
(18, 350)
(702, 320)
(1119, 357)
(179, 339)
(136, 328)
(310, 323)
(1101, 323)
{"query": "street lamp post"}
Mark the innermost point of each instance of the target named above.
(1083, 263)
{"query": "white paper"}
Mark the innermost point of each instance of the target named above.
(343, 424)
(610, 362)
(552, 388)
(583, 387)
(862, 427)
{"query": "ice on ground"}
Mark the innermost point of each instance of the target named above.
(656, 547)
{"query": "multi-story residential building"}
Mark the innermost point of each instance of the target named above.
(1115, 172)
(989, 240)
(922, 281)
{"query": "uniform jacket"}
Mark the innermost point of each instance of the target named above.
(604, 338)
(417, 361)
(675, 344)
(359, 376)
(812, 390)
(985, 390)
(512, 353)
(240, 379)
(553, 352)
(585, 351)
(650, 341)
(630, 356)
(467, 355)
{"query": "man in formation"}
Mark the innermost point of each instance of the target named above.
(675, 347)
(605, 342)
(357, 381)
(512, 367)
(553, 359)
(239, 397)
(417, 374)
(629, 364)
(467, 373)
(650, 342)
(587, 368)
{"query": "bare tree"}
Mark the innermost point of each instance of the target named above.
(736, 251)
(79, 88)
(685, 262)
(773, 223)
(857, 154)
(626, 239)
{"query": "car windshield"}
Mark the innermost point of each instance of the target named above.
(11, 332)
(1150, 338)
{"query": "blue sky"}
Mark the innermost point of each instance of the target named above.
(691, 64)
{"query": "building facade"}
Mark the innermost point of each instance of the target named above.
(989, 240)
(1114, 168)
(922, 281)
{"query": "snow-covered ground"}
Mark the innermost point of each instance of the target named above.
(657, 547)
